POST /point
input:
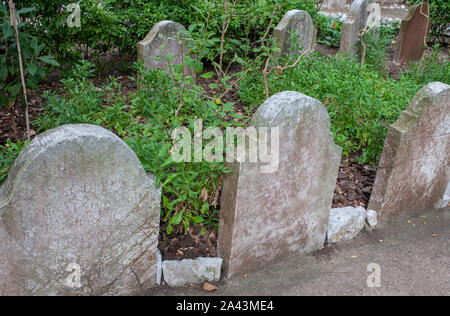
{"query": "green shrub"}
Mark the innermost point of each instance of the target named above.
(31, 52)
(328, 31)
(122, 23)
(145, 121)
(361, 105)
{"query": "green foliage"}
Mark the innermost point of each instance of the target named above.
(99, 28)
(33, 61)
(377, 42)
(122, 23)
(8, 154)
(145, 120)
(361, 105)
(328, 31)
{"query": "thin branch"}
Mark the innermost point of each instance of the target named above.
(361, 38)
(235, 83)
(275, 8)
(19, 52)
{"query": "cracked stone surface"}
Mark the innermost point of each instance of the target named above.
(414, 169)
(268, 216)
(78, 216)
(189, 271)
(162, 40)
(345, 223)
(298, 21)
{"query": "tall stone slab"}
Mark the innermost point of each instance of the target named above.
(414, 169)
(164, 39)
(355, 21)
(295, 28)
(413, 30)
(78, 216)
(268, 216)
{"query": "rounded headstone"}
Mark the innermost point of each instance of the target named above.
(78, 216)
(268, 216)
(164, 39)
(300, 24)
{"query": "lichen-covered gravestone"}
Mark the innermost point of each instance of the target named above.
(355, 21)
(164, 39)
(78, 216)
(296, 30)
(414, 169)
(268, 216)
(410, 43)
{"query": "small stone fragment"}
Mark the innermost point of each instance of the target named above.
(345, 223)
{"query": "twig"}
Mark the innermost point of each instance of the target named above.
(361, 38)
(235, 83)
(279, 70)
(275, 8)
(19, 52)
(225, 24)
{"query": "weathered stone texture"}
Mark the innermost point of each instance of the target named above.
(414, 169)
(164, 39)
(78, 195)
(414, 28)
(300, 22)
(356, 21)
(268, 216)
(345, 223)
(187, 271)
(372, 218)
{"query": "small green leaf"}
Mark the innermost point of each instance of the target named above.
(207, 75)
(49, 60)
(228, 107)
(32, 68)
(176, 220)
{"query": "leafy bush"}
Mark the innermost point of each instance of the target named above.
(328, 31)
(361, 105)
(121, 24)
(377, 42)
(145, 121)
(33, 61)
(98, 32)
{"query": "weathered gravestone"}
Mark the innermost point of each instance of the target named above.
(410, 43)
(78, 216)
(164, 39)
(295, 33)
(355, 21)
(335, 4)
(268, 216)
(414, 169)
